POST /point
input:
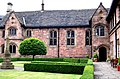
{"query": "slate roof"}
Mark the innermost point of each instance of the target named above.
(55, 18)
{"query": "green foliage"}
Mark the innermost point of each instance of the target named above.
(87, 56)
(74, 60)
(32, 46)
(83, 60)
(90, 62)
(88, 72)
(1, 59)
(55, 67)
(119, 60)
(95, 55)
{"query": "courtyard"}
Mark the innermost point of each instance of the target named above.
(19, 73)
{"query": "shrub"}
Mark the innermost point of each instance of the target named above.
(55, 67)
(90, 62)
(32, 46)
(1, 59)
(83, 60)
(95, 55)
(88, 72)
(87, 56)
(119, 60)
(74, 60)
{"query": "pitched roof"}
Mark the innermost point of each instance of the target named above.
(112, 9)
(54, 18)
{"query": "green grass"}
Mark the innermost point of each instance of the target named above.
(14, 74)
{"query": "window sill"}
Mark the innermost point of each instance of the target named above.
(53, 46)
(71, 46)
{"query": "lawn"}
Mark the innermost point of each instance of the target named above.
(14, 74)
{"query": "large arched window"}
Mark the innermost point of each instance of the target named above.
(53, 37)
(70, 37)
(2, 48)
(12, 48)
(88, 37)
(12, 31)
(99, 31)
(28, 33)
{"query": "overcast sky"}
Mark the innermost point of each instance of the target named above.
(33, 5)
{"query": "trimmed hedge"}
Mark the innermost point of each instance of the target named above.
(74, 60)
(55, 68)
(88, 72)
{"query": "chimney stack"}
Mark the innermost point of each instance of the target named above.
(9, 8)
(42, 5)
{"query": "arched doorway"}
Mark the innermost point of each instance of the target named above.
(102, 54)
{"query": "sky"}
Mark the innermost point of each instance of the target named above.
(33, 5)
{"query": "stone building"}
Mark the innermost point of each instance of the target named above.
(67, 33)
(113, 19)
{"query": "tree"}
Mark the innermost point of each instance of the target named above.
(32, 46)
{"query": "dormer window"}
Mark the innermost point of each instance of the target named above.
(12, 31)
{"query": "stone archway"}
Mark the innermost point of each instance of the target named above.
(102, 54)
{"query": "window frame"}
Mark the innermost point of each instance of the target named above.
(12, 48)
(3, 33)
(100, 30)
(70, 37)
(88, 37)
(53, 37)
(12, 31)
(2, 48)
(28, 33)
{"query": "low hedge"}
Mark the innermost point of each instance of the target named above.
(88, 72)
(57, 63)
(74, 60)
(55, 67)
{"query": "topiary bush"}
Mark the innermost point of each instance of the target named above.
(32, 46)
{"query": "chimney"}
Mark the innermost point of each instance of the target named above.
(9, 8)
(42, 5)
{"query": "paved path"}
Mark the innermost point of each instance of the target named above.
(103, 70)
(16, 68)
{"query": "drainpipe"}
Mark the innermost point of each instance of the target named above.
(58, 42)
(91, 42)
(116, 42)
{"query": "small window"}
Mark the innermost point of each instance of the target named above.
(118, 54)
(12, 48)
(12, 31)
(53, 37)
(2, 48)
(29, 33)
(99, 31)
(12, 18)
(70, 37)
(88, 37)
(3, 34)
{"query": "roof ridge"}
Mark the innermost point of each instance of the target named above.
(52, 10)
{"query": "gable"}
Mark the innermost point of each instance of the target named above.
(101, 10)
